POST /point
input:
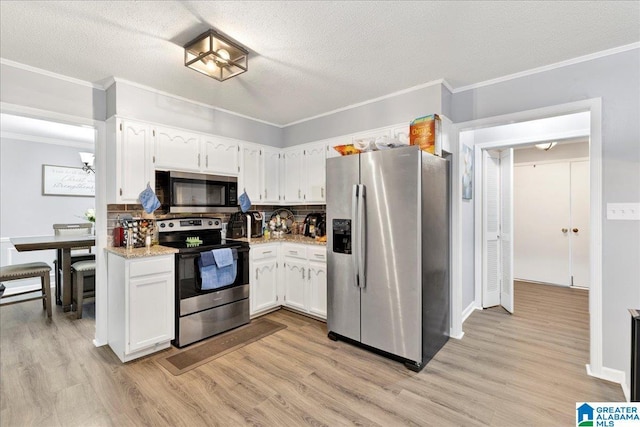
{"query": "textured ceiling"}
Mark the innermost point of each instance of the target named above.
(310, 57)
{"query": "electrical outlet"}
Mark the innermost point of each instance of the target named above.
(623, 211)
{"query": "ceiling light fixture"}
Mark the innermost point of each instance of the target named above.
(216, 56)
(87, 159)
(546, 146)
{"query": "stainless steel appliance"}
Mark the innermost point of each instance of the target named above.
(181, 192)
(204, 313)
(388, 257)
(238, 224)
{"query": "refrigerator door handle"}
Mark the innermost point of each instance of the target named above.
(354, 233)
(362, 238)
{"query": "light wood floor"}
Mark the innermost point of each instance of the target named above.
(522, 369)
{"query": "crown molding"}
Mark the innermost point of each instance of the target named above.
(549, 67)
(40, 71)
(47, 140)
(191, 101)
(371, 101)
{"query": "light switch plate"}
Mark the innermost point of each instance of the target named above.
(623, 211)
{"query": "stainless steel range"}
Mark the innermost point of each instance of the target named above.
(204, 313)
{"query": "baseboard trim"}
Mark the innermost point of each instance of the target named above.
(99, 343)
(614, 376)
(470, 309)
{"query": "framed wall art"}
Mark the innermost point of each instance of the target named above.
(67, 181)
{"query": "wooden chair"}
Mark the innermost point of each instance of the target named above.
(81, 289)
(71, 230)
(24, 271)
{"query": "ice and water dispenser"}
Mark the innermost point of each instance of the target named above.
(342, 236)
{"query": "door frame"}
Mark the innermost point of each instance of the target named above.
(594, 106)
(101, 333)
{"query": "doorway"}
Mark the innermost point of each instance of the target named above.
(522, 128)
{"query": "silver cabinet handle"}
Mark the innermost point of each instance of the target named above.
(206, 160)
(298, 193)
(265, 193)
(303, 274)
(309, 275)
(564, 230)
(198, 160)
(266, 252)
(318, 255)
(256, 274)
(322, 192)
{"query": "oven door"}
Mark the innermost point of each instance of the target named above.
(189, 297)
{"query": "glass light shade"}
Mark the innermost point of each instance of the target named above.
(87, 158)
(216, 56)
(546, 146)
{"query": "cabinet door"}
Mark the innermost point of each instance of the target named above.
(317, 278)
(295, 277)
(293, 176)
(250, 172)
(271, 175)
(315, 169)
(264, 286)
(177, 150)
(151, 311)
(221, 156)
(134, 161)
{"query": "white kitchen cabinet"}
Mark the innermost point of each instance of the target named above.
(315, 167)
(294, 177)
(250, 181)
(270, 167)
(177, 150)
(294, 280)
(263, 270)
(221, 155)
(141, 304)
(129, 160)
(317, 278)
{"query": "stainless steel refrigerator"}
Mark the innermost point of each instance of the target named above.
(388, 252)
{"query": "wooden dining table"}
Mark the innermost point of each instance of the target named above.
(63, 246)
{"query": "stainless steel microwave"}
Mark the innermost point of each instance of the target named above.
(181, 192)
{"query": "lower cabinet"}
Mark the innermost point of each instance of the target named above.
(141, 304)
(263, 269)
(289, 274)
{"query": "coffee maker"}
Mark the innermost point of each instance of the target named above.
(238, 225)
(315, 224)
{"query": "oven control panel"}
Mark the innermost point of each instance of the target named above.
(189, 224)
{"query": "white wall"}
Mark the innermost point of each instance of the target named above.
(24, 211)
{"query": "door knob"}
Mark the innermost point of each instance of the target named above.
(575, 230)
(564, 230)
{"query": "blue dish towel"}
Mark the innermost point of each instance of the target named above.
(214, 275)
(149, 200)
(245, 202)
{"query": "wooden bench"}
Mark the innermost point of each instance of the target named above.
(25, 271)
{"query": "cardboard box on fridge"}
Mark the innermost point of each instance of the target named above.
(425, 133)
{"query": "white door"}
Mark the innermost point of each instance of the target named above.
(506, 228)
(295, 276)
(293, 176)
(150, 311)
(251, 173)
(317, 277)
(271, 175)
(264, 292)
(315, 169)
(580, 223)
(542, 223)
(491, 229)
(220, 155)
(134, 161)
(177, 150)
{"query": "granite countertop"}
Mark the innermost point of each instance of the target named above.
(287, 238)
(155, 250)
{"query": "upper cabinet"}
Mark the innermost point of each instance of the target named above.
(250, 173)
(270, 168)
(177, 150)
(305, 171)
(129, 160)
(221, 155)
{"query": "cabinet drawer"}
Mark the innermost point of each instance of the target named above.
(150, 266)
(317, 254)
(263, 252)
(294, 251)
